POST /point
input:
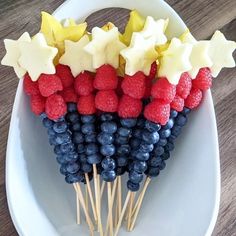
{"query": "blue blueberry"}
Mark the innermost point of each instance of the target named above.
(61, 159)
(141, 123)
(181, 120)
(123, 150)
(42, 115)
(159, 150)
(106, 117)
(140, 166)
(107, 150)
(165, 155)
(120, 170)
(162, 142)
(60, 127)
(108, 175)
(74, 178)
(155, 161)
(122, 161)
(132, 186)
(153, 171)
(52, 140)
(90, 138)
(169, 124)
(135, 177)
(164, 133)
(105, 138)
(63, 170)
(186, 111)
(149, 137)
(88, 128)
(51, 132)
(108, 164)
(176, 130)
(72, 117)
(162, 165)
(145, 147)
(94, 158)
(67, 147)
(169, 146)
(173, 113)
(135, 142)
(78, 137)
(71, 107)
(80, 148)
(71, 156)
(172, 138)
(137, 133)
(62, 138)
(88, 118)
(47, 123)
(142, 156)
(129, 122)
(151, 126)
(72, 168)
(109, 127)
(91, 148)
(82, 158)
(76, 126)
(86, 167)
(122, 131)
(121, 139)
(57, 150)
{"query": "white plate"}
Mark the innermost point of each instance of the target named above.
(182, 201)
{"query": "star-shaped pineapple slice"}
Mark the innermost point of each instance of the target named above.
(13, 54)
(220, 52)
(175, 60)
(139, 55)
(76, 57)
(105, 47)
(37, 57)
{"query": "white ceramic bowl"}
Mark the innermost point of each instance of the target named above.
(182, 201)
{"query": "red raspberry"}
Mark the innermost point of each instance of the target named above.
(86, 105)
(194, 98)
(153, 71)
(105, 78)
(69, 95)
(106, 100)
(134, 85)
(55, 107)
(30, 87)
(49, 84)
(203, 79)
(37, 103)
(157, 112)
(163, 90)
(84, 84)
(184, 86)
(64, 73)
(129, 107)
(177, 103)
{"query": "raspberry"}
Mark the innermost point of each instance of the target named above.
(184, 86)
(49, 84)
(157, 112)
(106, 100)
(177, 103)
(69, 95)
(134, 85)
(30, 87)
(64, 73)
(194, 98)
(129, 107)
(55, 107)
(203, 79)
(163, 90)
(86, 105)
(84, 84)
(153, 71)
(37, 103)
(105, 78)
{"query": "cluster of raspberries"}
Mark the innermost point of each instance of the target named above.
(104, 91)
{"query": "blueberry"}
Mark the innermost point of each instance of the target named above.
(71, 156)
(107, 150)
(105, 138)
(76, 126)
(145, 147)
(164, 133)
(169, 124)
(135, 177)
(122, 131)
(153, 171)
(86, 168)
(172, 138)
(109, 127)
(155, 161)
(122, 161)
(141, 122)
(176, 130)
(162, 165)
(71, 107)
(51, 132)
(72, 168)
(140, 166)
(108, 175)
(123, 150)
(135, 142)
(52, 140)
(186, 111)
(165, 155)
(62, 138)
(173, 113)
(149, 137)
(60, 127)
(130, 165)
(57, 150)
(78, 137)
(63, 170)
(88, 128)
(108, 164)
(82, 158)
(42, 115)
(137, 133)
(120, 170)
(91, 148)
(129, 123)
(106, 117)
(88, 118)
(90, 138)
(181, 120)
(151, 126)
(169, 146)
(121, 139)
(61, 159)
(162, 142)
(47, 123)
(142, 156)
(80, 148)
(67, 147)
(159, 150)
(72, 117)
(74, 178)
(132, 186)
(94, 158)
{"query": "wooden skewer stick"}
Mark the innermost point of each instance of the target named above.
(116, 213)
(89, 190)
(119, 196)
(86, 198)
(110, 220)
(102, 188)
(131, 202)
(111, 207)
(81, 198)
(77, 207)
(97, 198)
(147, 182)
(123, 212)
